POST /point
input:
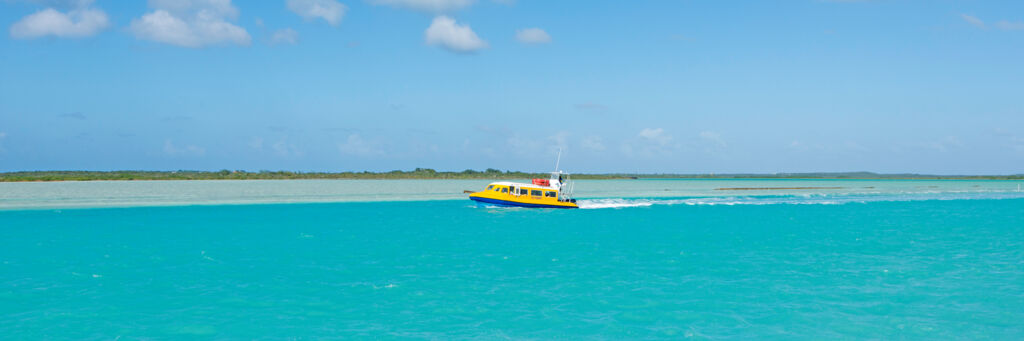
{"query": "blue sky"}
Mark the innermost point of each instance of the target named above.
(621, 86)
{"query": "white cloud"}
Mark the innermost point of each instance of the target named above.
(446, 33)
(3, 135)
(797, 145)
(943, 145)
(1004, 25)
(1010, 26)
(970, 19)
(854, 146)
(650, 143)
(286, 149)
(532, 36)
(524, 145)
(256, 143)
(191, 23)
(712, 138)
(189, 150)
(560, 141)
(222, 8)
(433, 6)
(355, 145)
(285, 36)
(329, 10)
(593, 143)
(657, 135)
(79, 22)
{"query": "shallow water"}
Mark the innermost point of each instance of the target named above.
(74, 194)
(902, 260)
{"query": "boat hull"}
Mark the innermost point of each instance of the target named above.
(501, 202)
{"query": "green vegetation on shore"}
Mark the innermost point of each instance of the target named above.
(425, 173)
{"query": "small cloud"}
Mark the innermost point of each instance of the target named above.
(1010, 26)
(800, 146)
(355, 145)
(448, 34)
(524, 145)
(593, 143)
(79, 22)
(190, 23)
(3, 135)
(432, 6)
(854, 146)
(532, 36)
(590, 106)
(284, 36)
(74, 115)
(559, 140)
(285, 149)
(712, 138)
(256, 143)
(282, 148)
(189, 150)
(970, 19)
(946, 144)
(657, 135)
(650, 143)
(330, 10)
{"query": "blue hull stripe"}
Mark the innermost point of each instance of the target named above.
(513, 203)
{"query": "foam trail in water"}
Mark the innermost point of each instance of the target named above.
(805, 199)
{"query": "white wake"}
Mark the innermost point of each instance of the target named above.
(810, 199)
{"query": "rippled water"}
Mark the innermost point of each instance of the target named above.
(661, 260)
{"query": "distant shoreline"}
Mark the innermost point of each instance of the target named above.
(430, 174)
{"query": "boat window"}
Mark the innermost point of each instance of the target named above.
(535, 193)
(512, 190)
(504, 190)
(549, 194)
(489, 187)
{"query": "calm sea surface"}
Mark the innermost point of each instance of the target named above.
(647, 259)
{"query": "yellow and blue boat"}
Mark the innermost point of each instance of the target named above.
(555, 192)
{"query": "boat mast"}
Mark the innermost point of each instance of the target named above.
(559, 159)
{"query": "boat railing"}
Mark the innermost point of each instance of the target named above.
(566, 191)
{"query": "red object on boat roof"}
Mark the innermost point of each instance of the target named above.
(541, 182)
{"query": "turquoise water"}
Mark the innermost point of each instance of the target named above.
(904, 261)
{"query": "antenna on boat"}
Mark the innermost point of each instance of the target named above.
(559, 159)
